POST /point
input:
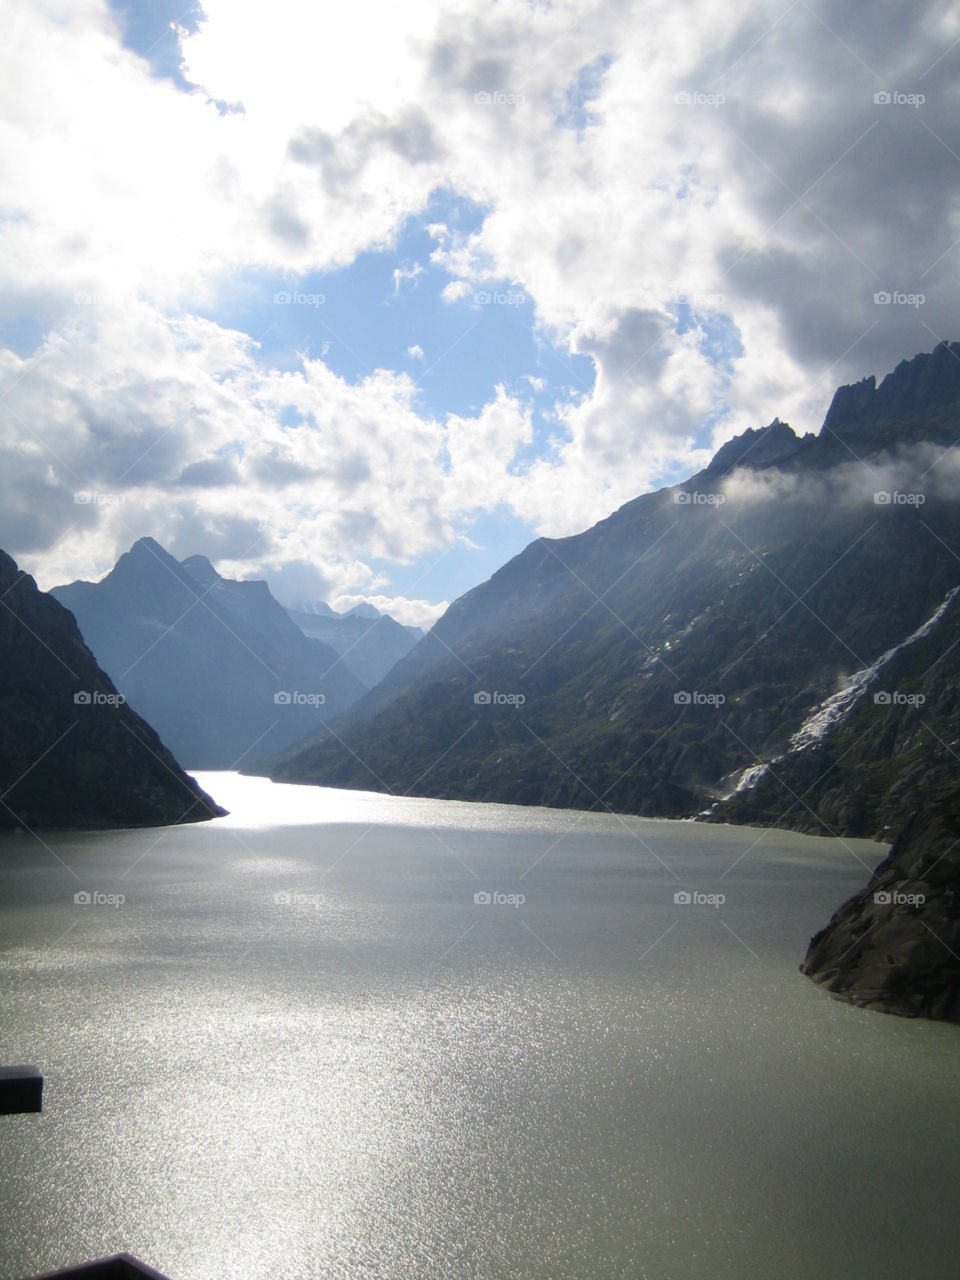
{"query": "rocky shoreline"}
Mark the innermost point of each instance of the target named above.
(895, 945)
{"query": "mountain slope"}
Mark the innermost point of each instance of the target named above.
(883, 746)
(71, 754)
(643, 664)
(370, 646)
(215, 665)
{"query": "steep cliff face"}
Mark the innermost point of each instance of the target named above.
(895, 945)
(72, 754)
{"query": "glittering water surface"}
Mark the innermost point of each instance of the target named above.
(300, 1048)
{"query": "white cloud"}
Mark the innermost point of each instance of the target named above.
(129, 205)
(455, 290)
(403, 274)
(411, 612)
(173, 427)
(415, 352)
(481, 451)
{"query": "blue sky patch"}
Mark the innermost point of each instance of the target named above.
(575, 112)
(147, 27)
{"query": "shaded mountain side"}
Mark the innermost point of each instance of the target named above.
(895, 945)
(71, 754)
(894, 749)
(216, 666)
(369, 646)
(600, 715)
(639, 664)
(918, 402)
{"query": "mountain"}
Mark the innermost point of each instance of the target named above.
(364, 610)
(645, 664)
(71, 753)
(369, 642)
(217, 666)
(319, 607)
(895, 945)
(882, 746)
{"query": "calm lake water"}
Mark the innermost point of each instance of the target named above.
(299, 1047)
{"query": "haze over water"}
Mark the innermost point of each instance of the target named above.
(300, 1047)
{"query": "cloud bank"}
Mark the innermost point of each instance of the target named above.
(704, 200)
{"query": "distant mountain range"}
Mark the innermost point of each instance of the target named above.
(743, 619)
(72, 754)
(369, 642)
(216, 666)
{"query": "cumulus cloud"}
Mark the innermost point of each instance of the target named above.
(411, 612)
(454, 290)
(203, 453)
(703, 201)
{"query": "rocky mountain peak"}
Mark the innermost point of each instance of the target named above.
(201, 570)
(757, 447)
(924, 389)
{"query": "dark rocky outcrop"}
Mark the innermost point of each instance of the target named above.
(71, 753)
(895, 945)
(923, 391)
(770, 446)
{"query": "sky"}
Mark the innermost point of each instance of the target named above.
(361, 299)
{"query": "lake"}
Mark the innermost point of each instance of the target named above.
(345, 1035)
